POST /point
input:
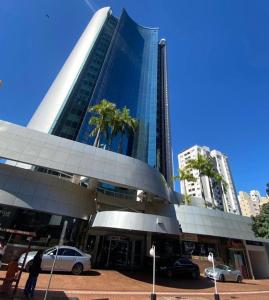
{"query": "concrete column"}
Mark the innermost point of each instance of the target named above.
(94, 253)
(149, 242)
(249, 261)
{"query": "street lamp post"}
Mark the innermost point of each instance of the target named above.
(211, 259)
(152, 254)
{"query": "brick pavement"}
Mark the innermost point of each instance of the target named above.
(109, 285)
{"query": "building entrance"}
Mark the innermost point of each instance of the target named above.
(119, 252)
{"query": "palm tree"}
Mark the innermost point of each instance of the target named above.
(101, 121)
(210, 172)
(185, 175)
(126, 125)
(115, 126)
(204, 166)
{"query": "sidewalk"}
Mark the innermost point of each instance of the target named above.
(112, 285)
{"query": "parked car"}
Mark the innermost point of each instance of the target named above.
(224, 273)
(178, 266)
(69, 259)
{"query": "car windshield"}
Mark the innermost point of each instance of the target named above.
(222, 267)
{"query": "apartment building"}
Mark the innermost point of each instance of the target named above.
(223, 199)
(251, 203)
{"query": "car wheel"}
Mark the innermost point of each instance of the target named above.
(77, 269)
(239, 278)
(221, 278)
(169, 274)
(28, 265)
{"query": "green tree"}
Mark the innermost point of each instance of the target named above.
(260, 224)
(126, 126)
(110, 122)
(205, 167)
(101, 120)
(114, 127)
(267, 189)
(185, 175)
(201, 164)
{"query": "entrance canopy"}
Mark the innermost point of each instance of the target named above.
(136, 222)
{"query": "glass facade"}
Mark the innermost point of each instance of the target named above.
(48, 227)
(127, 67)
(129, 78)
(70, 119)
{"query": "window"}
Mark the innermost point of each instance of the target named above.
(68, 252)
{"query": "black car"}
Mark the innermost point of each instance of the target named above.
(178, 266)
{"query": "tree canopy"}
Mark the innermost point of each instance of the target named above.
(260, 224)
(205, 167)
(109, 121)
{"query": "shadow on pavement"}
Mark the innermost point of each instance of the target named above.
(39, 295)
(176, 282)
(88, 273)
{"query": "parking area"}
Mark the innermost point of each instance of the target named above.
(108, 284)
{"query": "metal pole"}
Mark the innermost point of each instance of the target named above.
(216, 295)
(153, 295)
(61, 241)
(51, 271)
(153, 289)
(215, 282)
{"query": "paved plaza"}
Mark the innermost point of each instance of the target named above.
(112, 285)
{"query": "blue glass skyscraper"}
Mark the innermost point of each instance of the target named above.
(121, 61)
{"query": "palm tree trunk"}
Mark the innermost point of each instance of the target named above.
(109, 144)
(185, 191)
(97, 138)
(120, 146)
(223, 198)
(211, 194)
(186, 194)
(202, 190)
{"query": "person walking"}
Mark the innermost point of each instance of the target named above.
(11, 273)
(34, 271)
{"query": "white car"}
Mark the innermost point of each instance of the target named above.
(224, 273)
(69, 259)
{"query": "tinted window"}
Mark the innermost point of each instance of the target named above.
(131, 68)
(69, 252)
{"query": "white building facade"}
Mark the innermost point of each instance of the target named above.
(219, 198)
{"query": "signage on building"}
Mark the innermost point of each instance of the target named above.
(190, 237)
(5, 213)
(20, 232)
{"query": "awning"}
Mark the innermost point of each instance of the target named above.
(136, 222)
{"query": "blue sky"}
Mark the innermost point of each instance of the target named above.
(218, 68)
